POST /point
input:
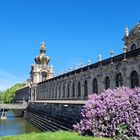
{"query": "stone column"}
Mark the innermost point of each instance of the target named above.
(35, 93)
(32, 94)
(113, 80)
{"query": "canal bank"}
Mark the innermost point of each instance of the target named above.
(16, 125)
(53, 117)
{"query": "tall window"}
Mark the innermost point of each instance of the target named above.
(49, 92)
(73, 90)
(55, 92)
(63, 90)
(107, 82)
(134, 79)
(68, 90)
(45, 93)
(119, 80)
(95, 85)
(59, 91)
(52, 92)
(44, 75)
(79, 89)
(85, 88)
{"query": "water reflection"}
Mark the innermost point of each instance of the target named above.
(15, 125)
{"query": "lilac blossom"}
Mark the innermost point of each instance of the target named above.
(111, 113)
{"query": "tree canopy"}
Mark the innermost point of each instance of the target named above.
(8, 95)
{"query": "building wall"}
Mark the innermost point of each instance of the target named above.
(22, 94)
(65, 87)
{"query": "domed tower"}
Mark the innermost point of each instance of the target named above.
(41, 71)
(132, 39)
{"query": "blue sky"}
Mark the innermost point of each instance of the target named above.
(73, 30)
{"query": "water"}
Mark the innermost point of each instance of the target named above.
(15, 125)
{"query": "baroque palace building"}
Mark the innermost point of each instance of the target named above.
(55, 102)
(76, 85)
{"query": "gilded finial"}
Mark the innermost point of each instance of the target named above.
(42, 44)
(42, 47)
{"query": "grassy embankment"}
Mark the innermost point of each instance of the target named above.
(60, 135)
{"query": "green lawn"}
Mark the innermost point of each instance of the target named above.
(60, 135)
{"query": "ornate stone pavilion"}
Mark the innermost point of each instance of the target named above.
(41, 71)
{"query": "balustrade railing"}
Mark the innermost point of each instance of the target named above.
(13, 106)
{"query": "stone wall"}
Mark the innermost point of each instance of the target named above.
(67, 113)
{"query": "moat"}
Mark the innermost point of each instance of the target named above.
(16, 125)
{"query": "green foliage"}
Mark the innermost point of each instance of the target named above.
(59, 135)
(123, 130)
(7, 96)
(1, 96)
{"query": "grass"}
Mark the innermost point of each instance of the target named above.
(59, 135)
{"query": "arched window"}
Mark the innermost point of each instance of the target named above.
(79, 89)
(68, 90)
(73, 90)
(107, 82)
(52, 92)
(95, 85)
(45, 93)
(44, 75)
(134, 79)
(63, 90)
(133, 47)
(85, 88)
(59, 91)
(119, 80)
(49, 93)
(55, 92)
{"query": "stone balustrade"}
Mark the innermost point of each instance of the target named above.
(13, 106)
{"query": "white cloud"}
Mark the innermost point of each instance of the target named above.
(7, 80)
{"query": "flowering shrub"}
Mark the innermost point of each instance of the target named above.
(111, 114)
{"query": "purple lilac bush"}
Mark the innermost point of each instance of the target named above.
(112, 113)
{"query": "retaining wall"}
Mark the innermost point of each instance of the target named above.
(52, 117)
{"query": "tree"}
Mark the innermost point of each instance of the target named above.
(9, 94)
(1, 96)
